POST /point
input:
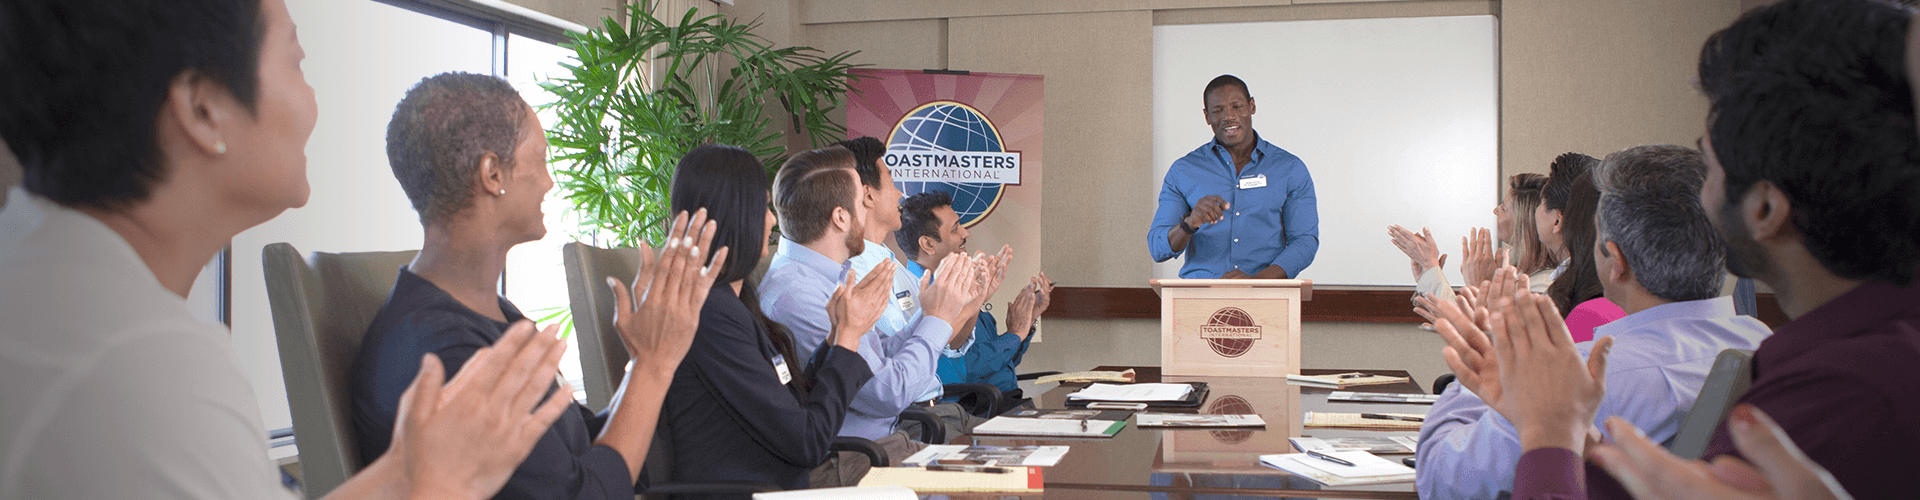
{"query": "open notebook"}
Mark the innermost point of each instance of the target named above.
(1366, 468)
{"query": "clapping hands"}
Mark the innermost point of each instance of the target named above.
(1523, 364)
(657, 317)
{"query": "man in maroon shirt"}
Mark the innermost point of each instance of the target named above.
(1814, 180)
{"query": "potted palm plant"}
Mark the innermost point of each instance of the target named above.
(636, 98)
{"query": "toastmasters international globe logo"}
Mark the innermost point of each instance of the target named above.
(949, 146)
(1230, 331)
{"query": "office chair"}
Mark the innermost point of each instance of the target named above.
(1730, 378)
(322, 305)
(603, 360)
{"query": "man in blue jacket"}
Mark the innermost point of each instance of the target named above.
(929, 231)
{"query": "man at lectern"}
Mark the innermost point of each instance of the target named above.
(1237, 207)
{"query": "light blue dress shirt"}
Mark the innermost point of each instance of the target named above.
(900, 312)
(1660, 359)
(794, 293)
(1278, 224)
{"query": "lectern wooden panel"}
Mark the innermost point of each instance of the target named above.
(1231, 328)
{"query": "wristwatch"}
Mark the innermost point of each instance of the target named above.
(1185, 227)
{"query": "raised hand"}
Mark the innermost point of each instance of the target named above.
(1469, 352)
(1043, 289)
(1020, 312)
(946, 293)
(1207, 211)
(1419, 247)
(1477, 258)
(463, 439)
(657, 317)
(1548, 393)
(1774, 468)
(854, 307)
(993, 271)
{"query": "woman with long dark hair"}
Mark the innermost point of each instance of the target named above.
(1576, 291)
(745, 406)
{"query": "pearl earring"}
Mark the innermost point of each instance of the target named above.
(503, 192)
(220, 147)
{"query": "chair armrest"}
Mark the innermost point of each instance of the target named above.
(986, 402)
(931, 430)
(1034, 375)
(875, 454)
(1440, 383)
(715, 487)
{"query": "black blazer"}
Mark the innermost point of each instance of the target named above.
(420, 318)
(729, 417)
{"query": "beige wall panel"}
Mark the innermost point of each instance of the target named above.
(840, 11)
(585, 12)
(917, 44)
(1383, 346)
(1098, 133)
(1310, 12)
(1081, 344)
(1597, 77)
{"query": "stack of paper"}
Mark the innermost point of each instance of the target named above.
(1366, 468)
(1382, 397)
(1133, 393)
(1017, 479)
(1390, 444)
(959, 454)
(1017, 426)
(1087, 376)
(1343, 380)
(1198, 420)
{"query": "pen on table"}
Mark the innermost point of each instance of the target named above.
(1383, 416)
(1329, 458)
(969, 468)
(1352, 375)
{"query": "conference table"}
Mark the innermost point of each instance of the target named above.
(1209, 463)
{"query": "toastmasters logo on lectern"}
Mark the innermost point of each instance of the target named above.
(949, 146)
(1230, 332)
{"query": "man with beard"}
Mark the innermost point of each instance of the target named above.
(817, 197)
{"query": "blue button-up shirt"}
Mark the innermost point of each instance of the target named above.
(990, 356)
(1278, 224)
(794, 293)
(1660, 359)
(904, 309)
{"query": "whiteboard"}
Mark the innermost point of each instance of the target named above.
(1396, 119)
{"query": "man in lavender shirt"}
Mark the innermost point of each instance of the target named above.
(1659, 260)
(816, 195)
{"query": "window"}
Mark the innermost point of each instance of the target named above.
(362, 57)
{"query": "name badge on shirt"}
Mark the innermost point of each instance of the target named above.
(1257, 181)
(780, 367)
(905, 299)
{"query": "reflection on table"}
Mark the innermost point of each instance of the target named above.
(1211, 463)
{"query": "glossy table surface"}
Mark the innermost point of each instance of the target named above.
(1201, 463)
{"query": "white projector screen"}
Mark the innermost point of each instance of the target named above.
(1396, 119)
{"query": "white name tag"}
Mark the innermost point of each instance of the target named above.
(905, 300)
(780, 367)
(1258, 181)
